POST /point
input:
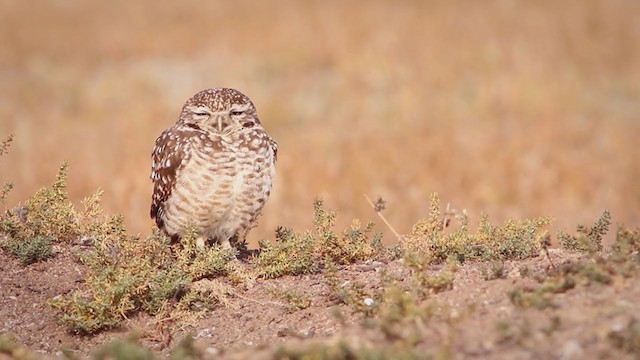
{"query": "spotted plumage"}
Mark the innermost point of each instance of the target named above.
(213, 169)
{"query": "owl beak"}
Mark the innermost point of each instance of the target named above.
(220, 124)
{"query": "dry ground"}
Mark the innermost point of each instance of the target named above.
(475, 319)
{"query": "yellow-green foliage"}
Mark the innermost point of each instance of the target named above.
(46, 217)
(493, 270)
(425, 282)
(123, 349)
(301, 253)
(6, 188)
(10, 348)
(622, 260)
(48, 214)
(540, 297)
(297, 300)
(396, 305)
(625, 252)
(430, 241)
(344, 351)
(129, 348)
(627, 338)
(127, 274)
(31, 250)
(588, 239)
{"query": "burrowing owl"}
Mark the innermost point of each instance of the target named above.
(213, 169)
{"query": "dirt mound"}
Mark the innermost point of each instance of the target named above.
(293, 314)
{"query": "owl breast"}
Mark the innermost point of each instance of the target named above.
(222, 186)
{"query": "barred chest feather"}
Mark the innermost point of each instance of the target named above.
(222, 184)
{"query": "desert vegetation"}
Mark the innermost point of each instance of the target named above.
(487, 132)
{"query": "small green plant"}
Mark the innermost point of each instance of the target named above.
(493, 270)
(6, 188)
(48, 213)
(303, 253)
(127, 274)
(31, 250)
(292, 254)
(428, 283)
(13, 350)
(127, 348)
(627, 338)
(622, 260)
(625, 252)
(343, 351)
(296, 299)
(588, 239)
(46, 218)
(429, 240)
(353, 294)
(529, 297)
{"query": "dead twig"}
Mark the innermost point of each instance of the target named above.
(378, 207)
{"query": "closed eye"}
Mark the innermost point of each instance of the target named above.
(236, 112)
(201, 113)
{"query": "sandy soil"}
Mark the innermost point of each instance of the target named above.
(475, 319)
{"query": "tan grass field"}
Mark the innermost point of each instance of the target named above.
(514, 108)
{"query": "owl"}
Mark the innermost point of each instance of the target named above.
(214, 169)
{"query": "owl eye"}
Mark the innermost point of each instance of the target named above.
(236, 112)
(200, 113)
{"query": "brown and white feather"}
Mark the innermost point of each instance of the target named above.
(215, 181)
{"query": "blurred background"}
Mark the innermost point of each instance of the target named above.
(513, 108)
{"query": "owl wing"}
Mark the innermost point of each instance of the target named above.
(169, 153)
(274, 147)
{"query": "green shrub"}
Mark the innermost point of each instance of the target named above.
(307, 252)
(31, 250)
(431, 242)
(127, 274)
(588, 239)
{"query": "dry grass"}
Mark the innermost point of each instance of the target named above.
(515, 109)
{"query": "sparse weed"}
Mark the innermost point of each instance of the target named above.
(186, 350)
(303, 253)
(127, 274)
(6, 188)
(428, 283)
(128, 348)
(625, 252)
(508, 332)
(493, 270)
(12, 349)
(627, 338)
(430, 241)
(31, 250)
(297, 300)
(529, 297)
(47, 217)
(343, 351)
(4, 145)
(588, 239)
(349, 293)
(292, 254)
(621, 260)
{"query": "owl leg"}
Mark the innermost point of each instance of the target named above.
(225, 243)
(201, 241)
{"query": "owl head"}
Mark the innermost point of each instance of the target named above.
(220, 110)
